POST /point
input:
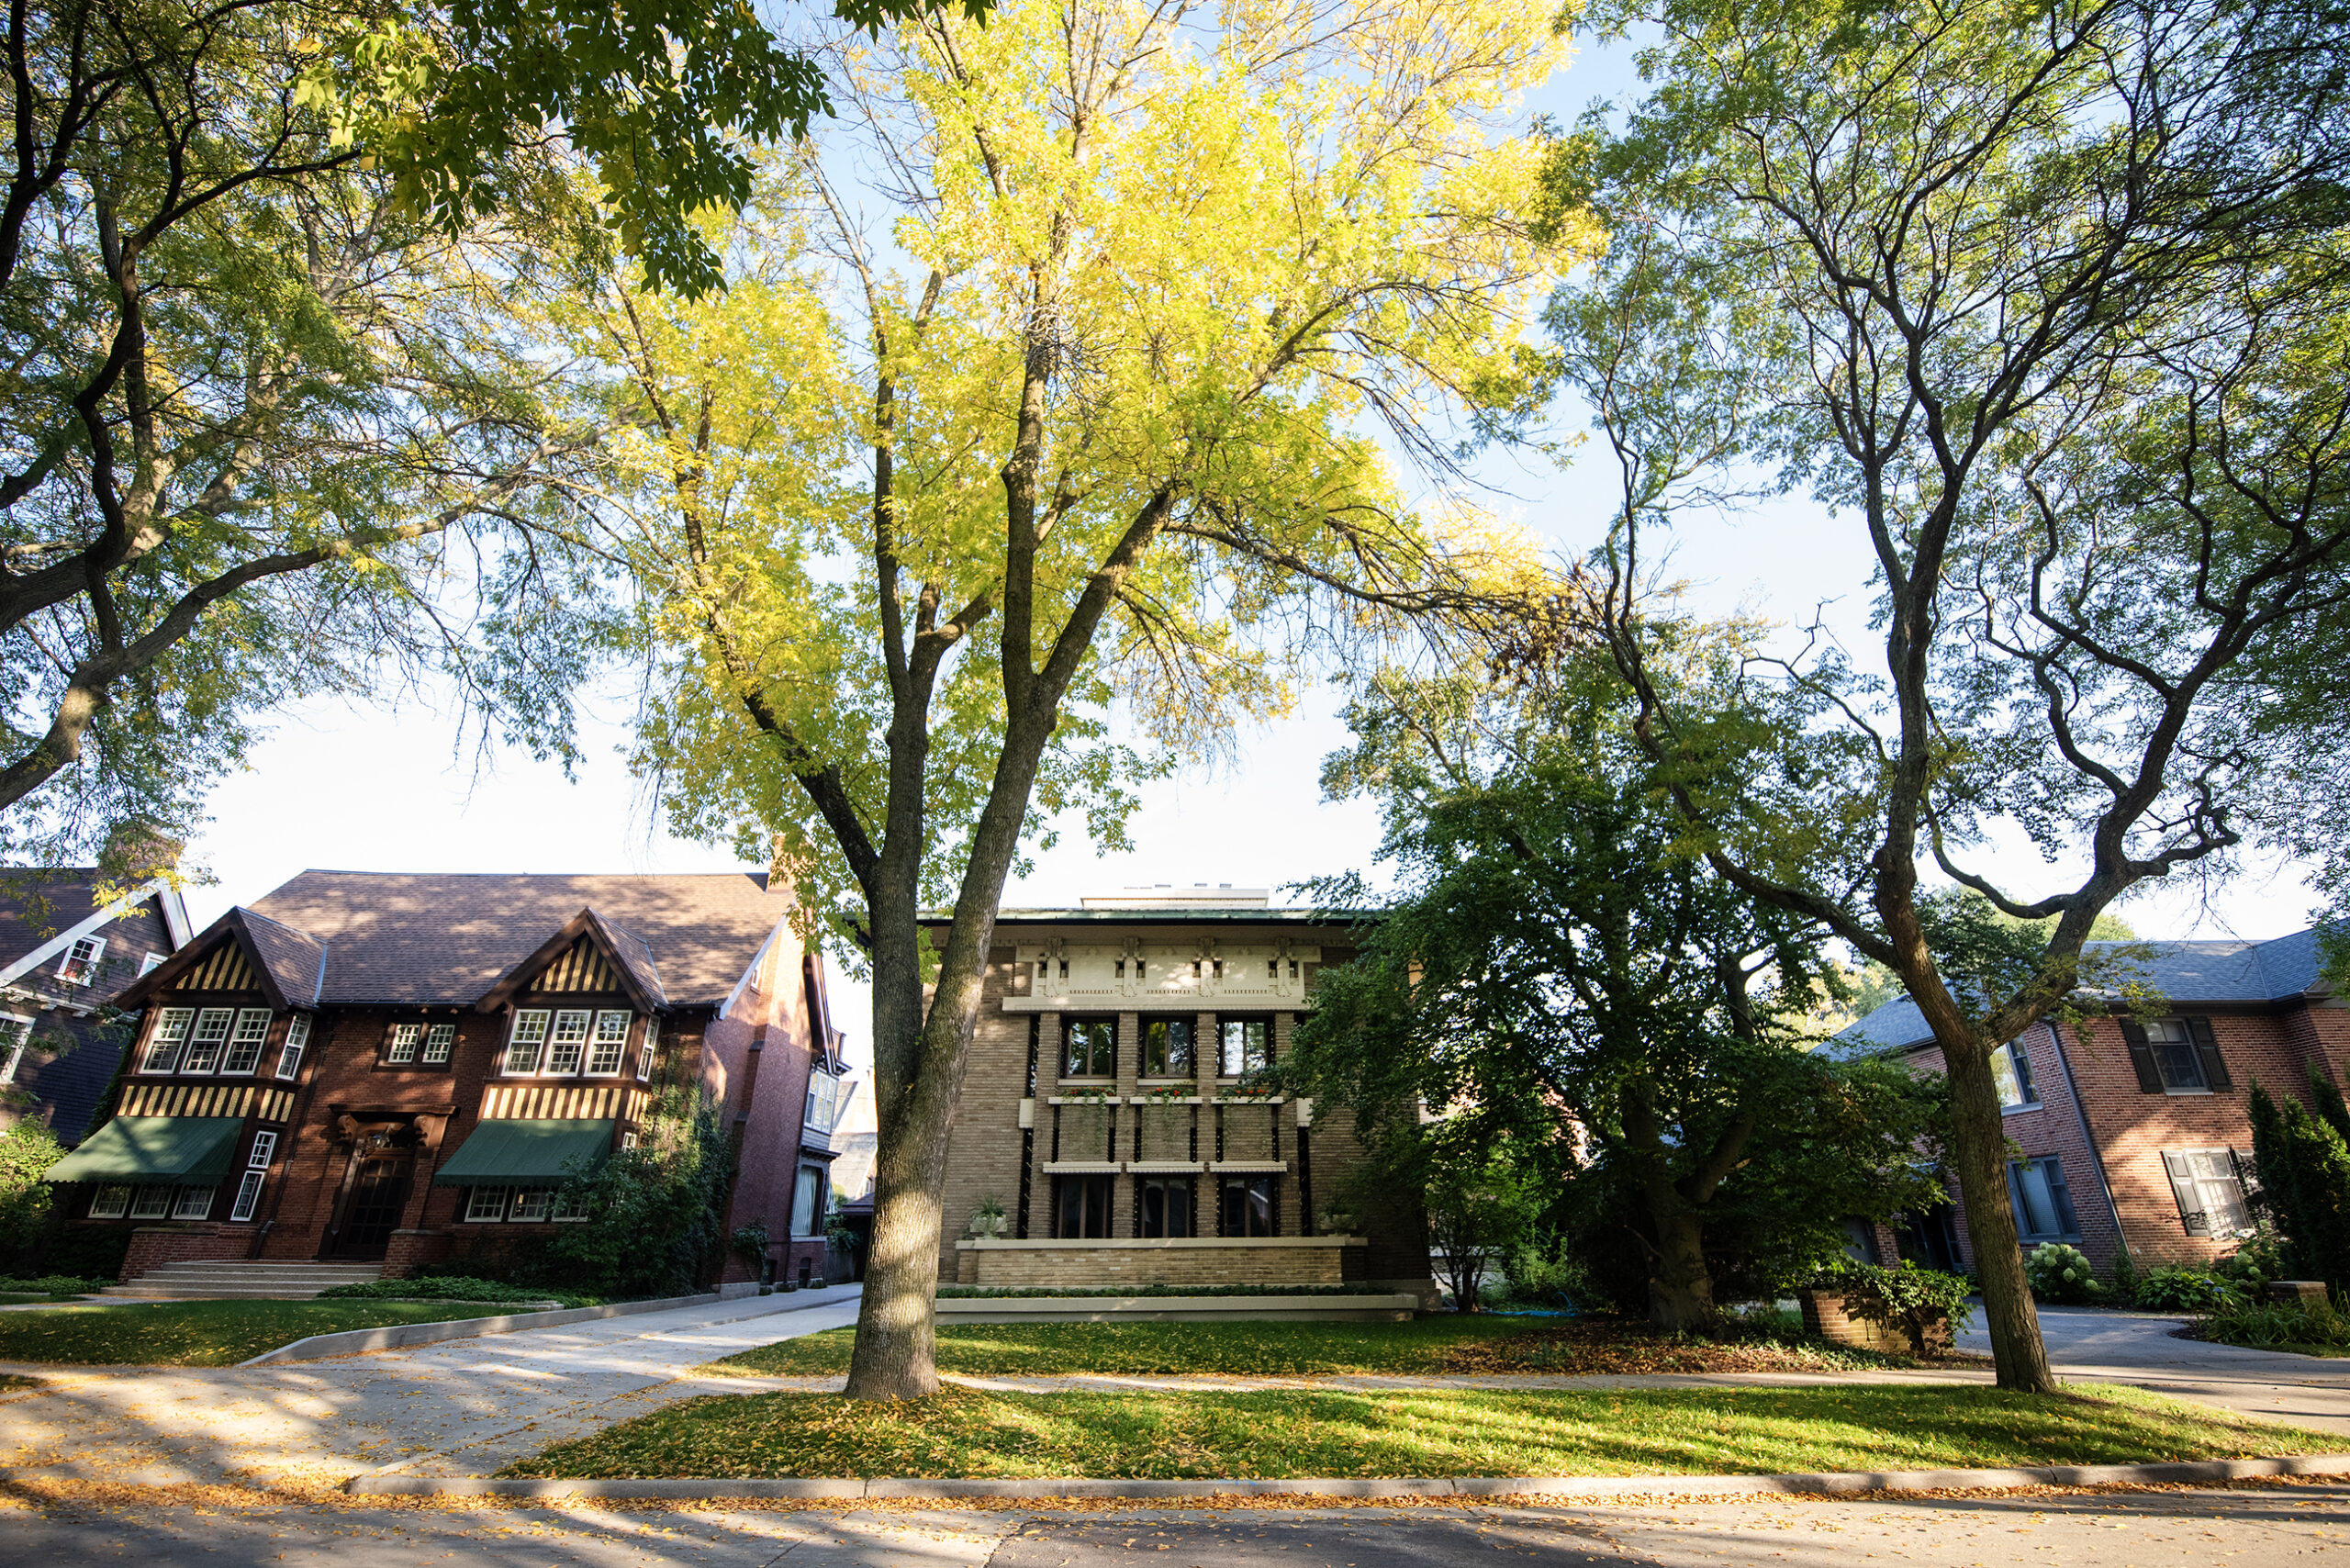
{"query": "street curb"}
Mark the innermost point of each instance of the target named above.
(1481, 1486)
(398, 1336)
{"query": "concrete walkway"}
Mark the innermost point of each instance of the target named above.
(460, 1407)
(2141, 1348)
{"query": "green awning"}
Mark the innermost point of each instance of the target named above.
(515, 1153)
(188, 1149)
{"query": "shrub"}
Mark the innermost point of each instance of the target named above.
(749, 1244)
(2125, 1276)
(654, 1210)
(2278, 1326)
(2182, 1288)
(89, 1251)
(27, 1151)
(1910, 1298)
(2061, 1274)
(54, 1285)
(1539, 1272)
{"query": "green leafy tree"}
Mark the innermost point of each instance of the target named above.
(656, 1211)
(27, 1151)
(1096, 418)
(2304, 1165)
(2047, 304)
(1558, 971)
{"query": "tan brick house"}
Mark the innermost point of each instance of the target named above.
(398, 1069)
(2140, 1132)
(1111, 1111)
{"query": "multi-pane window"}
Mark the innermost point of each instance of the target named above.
(1247, 1046)
(486, 1204)
(610, 1042)
(2043, 1204)
(1080, 1206)
(195, 1203)
(80, 965)
(248, 1198)
(14, 1033)
(264, 1148)
(151, 963)
(205, 1045)
(1249, 1206)
(2208, 1185)
(531, 1203)
(151, 1203)
(2012, 1070)
(1163, 1206)
(808, 1203)
(644, 1052)
(110, 1202)
(1167, 1047)
(567, 1043)
(244, 1045)
(1092, 1049)
(439, 1040)
(523, 1047)
(172, 1026)
(298, 1034)
(2175, 1055)
(823, 1101)
(405, 1038)
(567, 1209)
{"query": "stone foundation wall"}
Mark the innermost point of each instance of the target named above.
(1099, 1264)
(1824, 1314)
(408, 1249)
(198, 1241)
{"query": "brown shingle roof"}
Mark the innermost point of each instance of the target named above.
(444, 937)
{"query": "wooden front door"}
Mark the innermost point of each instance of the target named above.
(371, 1211)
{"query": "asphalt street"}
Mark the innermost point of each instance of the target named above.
(2254, 1526)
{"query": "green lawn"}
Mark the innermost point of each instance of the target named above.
(1446, 1344)
(196, 1333)
(963, 1432)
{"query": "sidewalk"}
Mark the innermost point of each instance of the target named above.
(460, 1407)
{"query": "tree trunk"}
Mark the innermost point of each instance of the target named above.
(1979, 1147)
(1681, 1292)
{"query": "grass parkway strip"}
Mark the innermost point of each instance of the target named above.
(196, 1333)
(1298, 1433)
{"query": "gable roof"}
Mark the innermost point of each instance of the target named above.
(2228, 970)
(285, 965)
(630, 957)
(447, 938)
(44, 910)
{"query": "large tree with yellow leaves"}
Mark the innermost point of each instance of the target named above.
(1102, 350)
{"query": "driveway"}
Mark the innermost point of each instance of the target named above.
(2141, 1348)
(460, 1407)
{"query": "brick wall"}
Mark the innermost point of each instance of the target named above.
(1097, 1265)
(984, 1161)
(153, 1246)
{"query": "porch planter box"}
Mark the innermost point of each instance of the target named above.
(2306, 1293)
(1824, 1314)
(1098, 1262)
(1178, 1309)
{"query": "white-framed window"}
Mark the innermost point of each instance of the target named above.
(14, 1031)
(171, 1034)
(406, 1038)
(568, 1210)
(645, 1052)
(244, 1045)
(110, 1202)
(80, 965)
(248, 1198)
(151, 1203)
(298, 1034)
(264, 1149)
(151, 963)
(439, 1040)
(566, 1042)
(531, 1203)
(194, 1203)
(823, 1101)
(628, 1139)
(486, 1205)
(611, 1043)
(523, 1047)
(211, 1034)
(2012, 1070)
(2208, 1185)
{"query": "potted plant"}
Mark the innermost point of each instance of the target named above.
(988, 1220)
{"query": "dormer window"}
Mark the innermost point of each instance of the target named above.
(610, 1044)
(80, 965)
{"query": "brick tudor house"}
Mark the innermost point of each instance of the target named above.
(1107, 1109)
(395, 1068)
(65, 958)
(2140, 1133)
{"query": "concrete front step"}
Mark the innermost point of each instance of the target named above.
(234, 1280)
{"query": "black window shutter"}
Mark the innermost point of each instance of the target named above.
(2141, 1055)
(2215, 1069)
(2182, 1187)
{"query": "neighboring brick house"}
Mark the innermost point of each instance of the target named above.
(64, 961)
(399, 1069)
(1107, 1107)
(2140, 1132)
